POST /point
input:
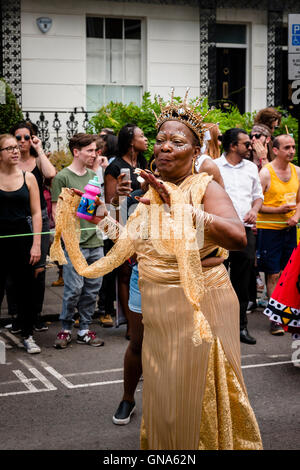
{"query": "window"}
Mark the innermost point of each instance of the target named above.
(230, 33)
(114, 61)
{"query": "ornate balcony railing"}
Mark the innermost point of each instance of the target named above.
(55, 128)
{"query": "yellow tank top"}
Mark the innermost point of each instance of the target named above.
(277, 195)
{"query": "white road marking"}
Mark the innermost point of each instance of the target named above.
(48, 385)
(94, 372)
(274, 356)
(23, 392)
(59, 377)
(271, 356)
(68, 384)
(28, 383)
(39, 377)
(25, 381)
(267, 364)
(95, 384)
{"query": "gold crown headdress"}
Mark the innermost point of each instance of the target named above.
(184, 113)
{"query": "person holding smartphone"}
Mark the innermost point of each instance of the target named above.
(119, 181)
(131, 145)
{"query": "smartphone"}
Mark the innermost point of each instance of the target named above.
(127, 174)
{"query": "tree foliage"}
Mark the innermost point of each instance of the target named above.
(10, 112)
(116, 115)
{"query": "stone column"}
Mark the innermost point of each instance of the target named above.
(207, 23)
(273, 70)
(11, 46)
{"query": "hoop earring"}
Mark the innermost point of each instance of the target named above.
(193, 166)
(151, 167)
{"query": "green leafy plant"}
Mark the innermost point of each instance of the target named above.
(288, 125)
(60, 159)
(10, 112)
(116, 115)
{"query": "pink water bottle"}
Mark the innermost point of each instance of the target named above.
(87, 206)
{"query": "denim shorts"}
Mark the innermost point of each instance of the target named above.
(274, 248)
(134, 302)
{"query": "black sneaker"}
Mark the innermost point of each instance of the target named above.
(124, 412)
(40, 326)
(251, 306)
(276, 329)
(15, 329)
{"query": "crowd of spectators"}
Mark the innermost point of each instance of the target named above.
(256, 171)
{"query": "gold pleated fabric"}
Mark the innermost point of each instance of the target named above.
(194, 397)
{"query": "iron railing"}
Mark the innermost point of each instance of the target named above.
(55, 128)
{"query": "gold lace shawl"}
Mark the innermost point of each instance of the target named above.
(187, 254)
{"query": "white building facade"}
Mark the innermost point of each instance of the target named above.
(97, 51)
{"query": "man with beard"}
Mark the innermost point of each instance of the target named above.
(243, 186)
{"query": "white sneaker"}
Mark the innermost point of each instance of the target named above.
(259, 283)
(31, 346)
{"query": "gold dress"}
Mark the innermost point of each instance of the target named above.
(194, 396)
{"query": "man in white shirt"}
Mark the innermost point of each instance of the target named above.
(243, 186)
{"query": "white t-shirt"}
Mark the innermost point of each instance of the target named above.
(200, 160)
(242, 184)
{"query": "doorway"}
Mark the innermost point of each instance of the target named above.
(231, 77)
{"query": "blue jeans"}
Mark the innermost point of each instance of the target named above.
(134, 302)
(80, 292)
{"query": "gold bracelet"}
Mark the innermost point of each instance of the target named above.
(115, 205)
(110, 227)
(208, 219)
(202, 217)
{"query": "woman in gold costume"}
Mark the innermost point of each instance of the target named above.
(194, 396)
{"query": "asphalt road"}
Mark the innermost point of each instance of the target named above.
(65, 399)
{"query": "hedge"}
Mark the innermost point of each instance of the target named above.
(116, 115)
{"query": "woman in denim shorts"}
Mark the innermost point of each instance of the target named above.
(133, 355)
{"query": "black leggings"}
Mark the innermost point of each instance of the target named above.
(241, 264)
(15, 256)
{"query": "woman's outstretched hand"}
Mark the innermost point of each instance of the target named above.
(157, 185)
(101, 211)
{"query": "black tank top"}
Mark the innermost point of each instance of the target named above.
(14, 210)
(114, 169)
(39, 177)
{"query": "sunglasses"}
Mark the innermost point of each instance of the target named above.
(257, 136)
(247, 144)
(220, 138)
(26, 137)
